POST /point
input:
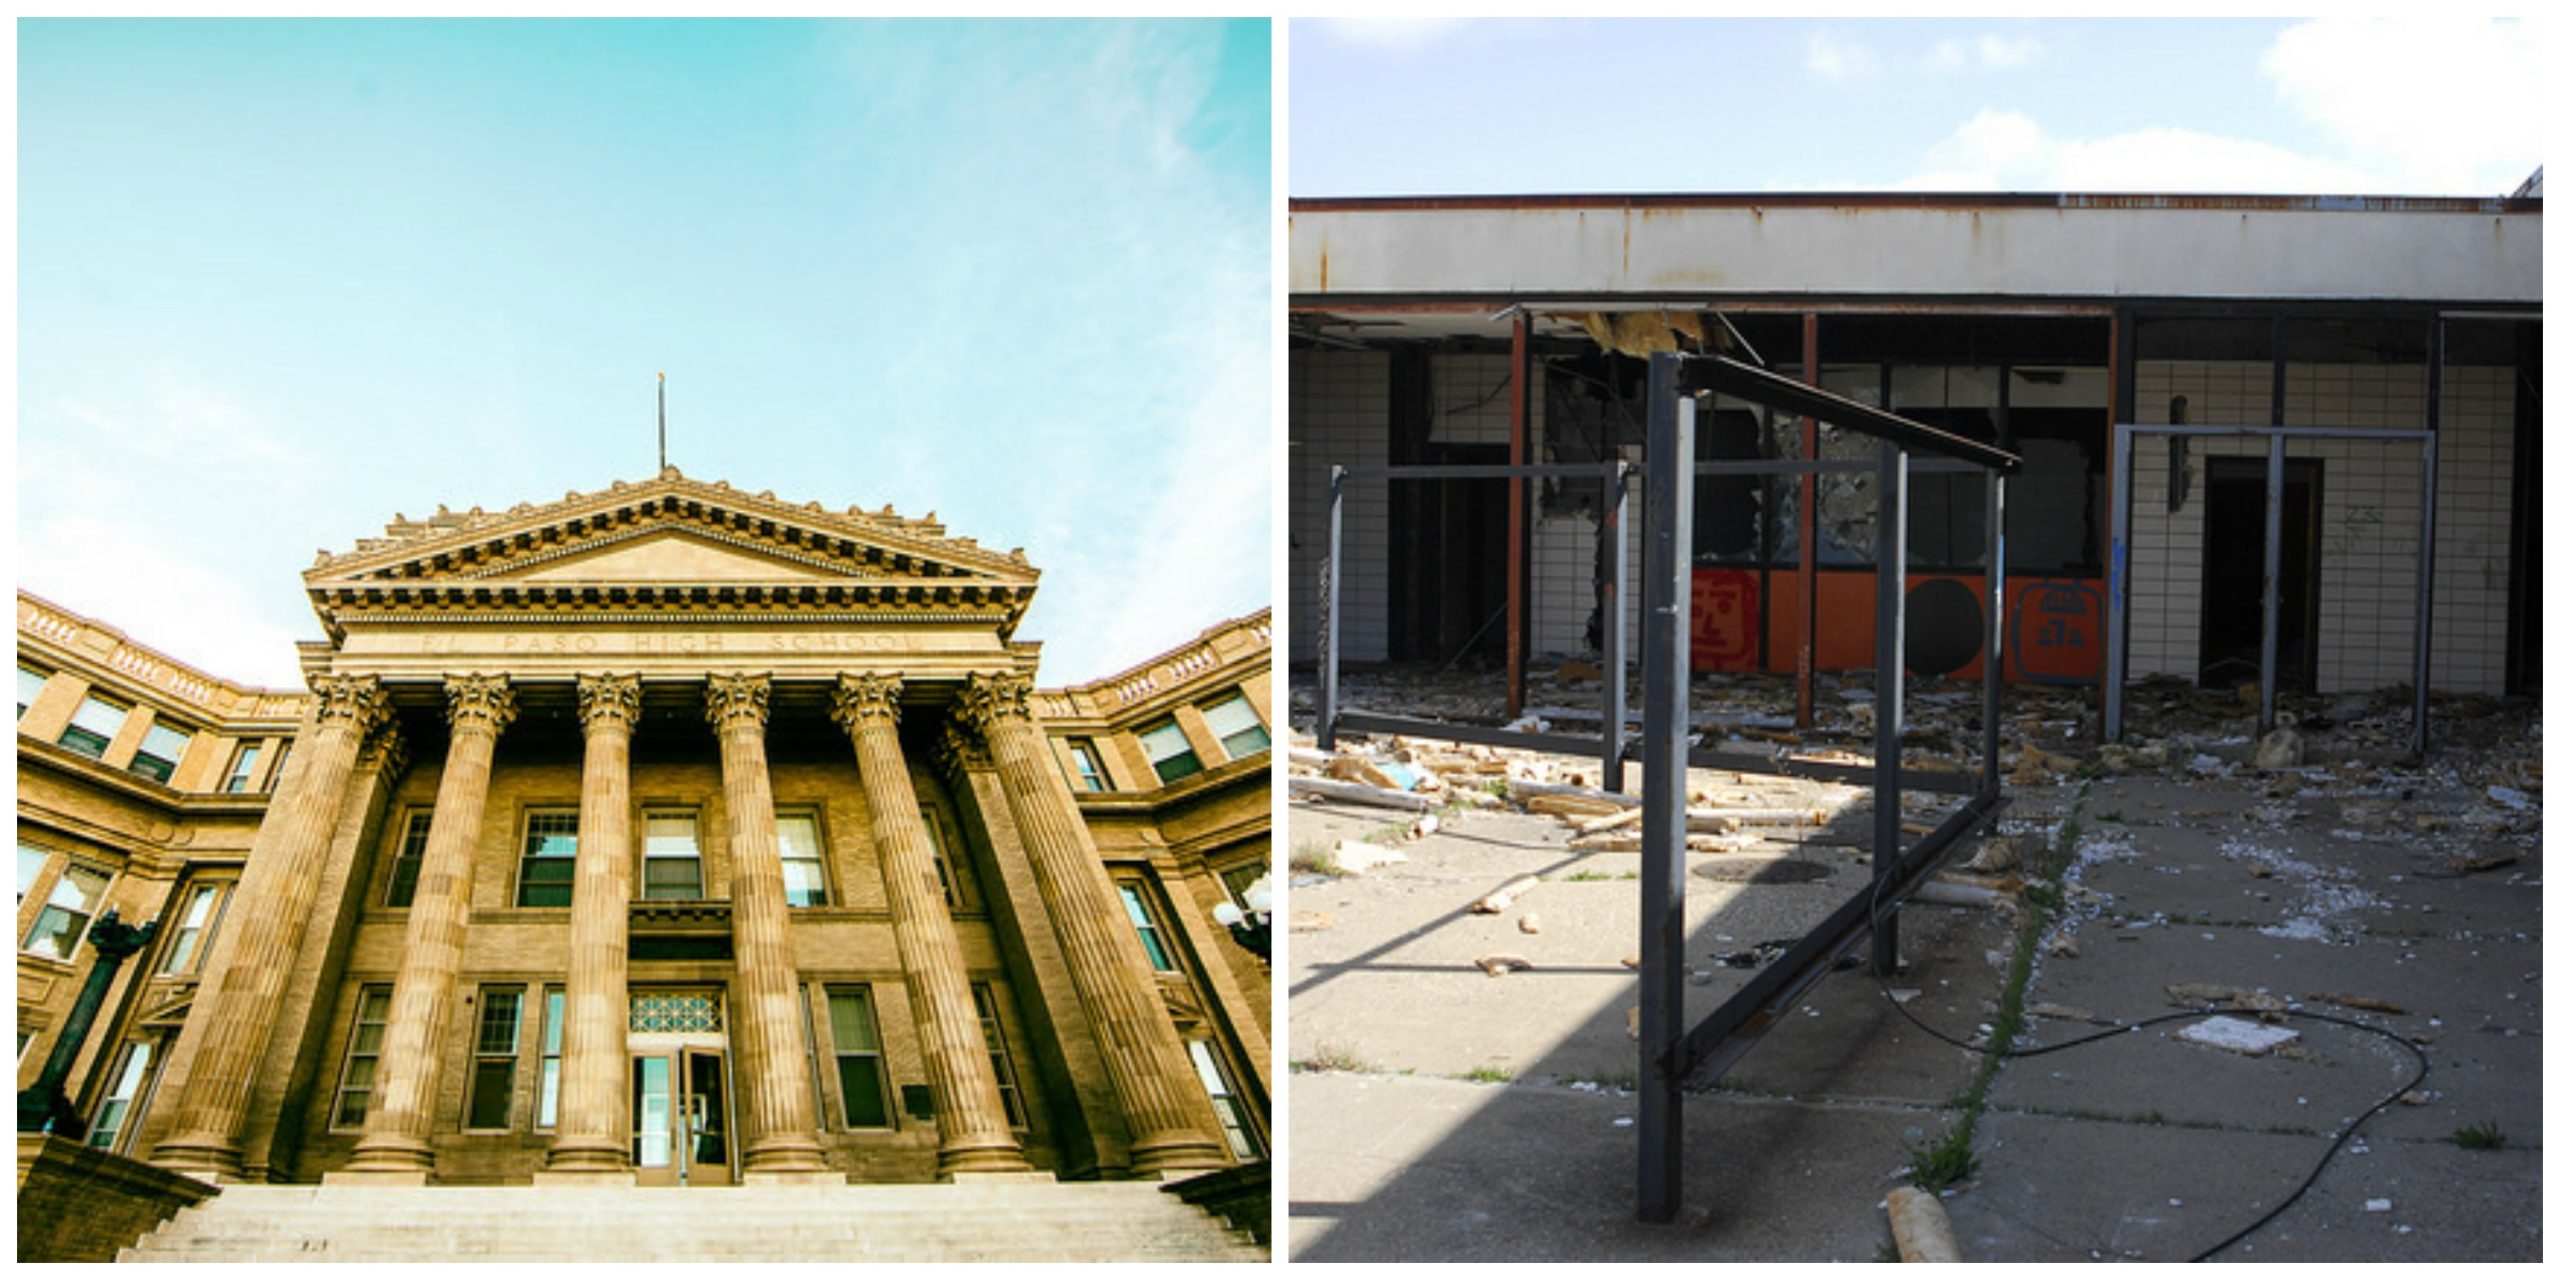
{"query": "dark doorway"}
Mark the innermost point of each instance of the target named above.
(2235, 539)
(1460, 530)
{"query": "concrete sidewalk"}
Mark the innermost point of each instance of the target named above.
(1438, 1113)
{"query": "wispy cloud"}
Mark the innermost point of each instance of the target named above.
(1398, 34)
(1983, 52)
(1837, 59)
(2010, 151)
(2449, 105)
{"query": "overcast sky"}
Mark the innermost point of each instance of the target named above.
(280, 281)
(2439, 106)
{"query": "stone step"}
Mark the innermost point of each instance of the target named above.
(991, 1222)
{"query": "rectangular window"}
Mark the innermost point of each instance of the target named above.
(1000, 1058)
(1222, 1096)
(1169, 751)
(941, 860)
(31, 863)
(1089, 773)
(244, 764)
(403, 885)
(860, 1076)
(670, 858)
(364, 1053)
(275, 776)
(546, 1112)
(1239, 730)
(195, 929)
(30, 683)
(1148, 936)
(1241, 877)
(67, 911)
(126, 1090)
(493, 1058)
(161, 748)
(804, 864)
(550, 858)
(93, 726)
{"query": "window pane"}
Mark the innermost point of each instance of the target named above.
(93, 727)
(498, 1019)
(866, 1105)
(849, 1018)
(804, 877)
(30, 683)
(1156, 954)
(492, 1087)
(671, 880)
(30, 865)
(243, 763)
(550, 860)
(1238, 729)
(191, 926)
(405, 864)
(1088, 765)
(1169, 751)
(671, 836)
(164, 743)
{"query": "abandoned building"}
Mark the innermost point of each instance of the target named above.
(2369, 345)
(662, 835)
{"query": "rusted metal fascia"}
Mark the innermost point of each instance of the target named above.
(1777, 391)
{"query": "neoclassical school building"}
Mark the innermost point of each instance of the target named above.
(667, 834)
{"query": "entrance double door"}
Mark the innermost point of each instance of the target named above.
(680, 1115)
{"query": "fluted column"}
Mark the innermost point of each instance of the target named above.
(1160, 1091)
(967, 1106)
(773, 1045)
(404, 1093)
(591, 1135)
(271, 915)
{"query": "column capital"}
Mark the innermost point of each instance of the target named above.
(484, 703)
(387, 752)
(957, 751)
(606, 700)
(865, 697)
(993, 696)
(357, 701)
(736, 698)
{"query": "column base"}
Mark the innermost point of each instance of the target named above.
(374, 1178)
(983, 1155)
(204, 1158)
(1177, 1153)
(585, 1178)
(999, 1175)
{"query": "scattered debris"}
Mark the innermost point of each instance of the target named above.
(1528, 922)
(2280, 749)
(2366, 1003)
(1309, 922)
(1357, 793)
(2214, 993)
(2073, 1012)
(1356, 856)
(1921, 1232)
(2239, 1035)
(1500, 900)
(1496, 966)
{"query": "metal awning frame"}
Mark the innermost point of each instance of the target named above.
(1671, 1053)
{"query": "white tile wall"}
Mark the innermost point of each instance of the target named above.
(1338, 417)
(2370, 517)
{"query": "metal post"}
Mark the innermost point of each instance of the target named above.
(1807, 533)
(1995, 592)
(2119, 535)
(2426, 603)
(44, 1105)
(1613, 642)
(1515, 572)
(2267, 586)
(1329, 593)
(1892, 476)
(1669, 479)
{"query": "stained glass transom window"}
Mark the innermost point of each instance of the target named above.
(675, 1011)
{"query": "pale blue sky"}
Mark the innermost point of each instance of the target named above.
(279, 281)
(2448, 105)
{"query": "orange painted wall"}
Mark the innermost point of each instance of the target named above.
(2053, 631)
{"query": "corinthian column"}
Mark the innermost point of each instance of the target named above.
(404, 1093)
(975, 1135)
(782, 1142)
(591, 1136)
(1160, 1092)
(272, 912)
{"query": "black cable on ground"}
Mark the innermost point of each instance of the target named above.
(2116, 1029)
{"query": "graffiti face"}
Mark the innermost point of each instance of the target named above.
(1724, 619)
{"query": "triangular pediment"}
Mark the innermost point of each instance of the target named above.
(665, 556)
(667, 542)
